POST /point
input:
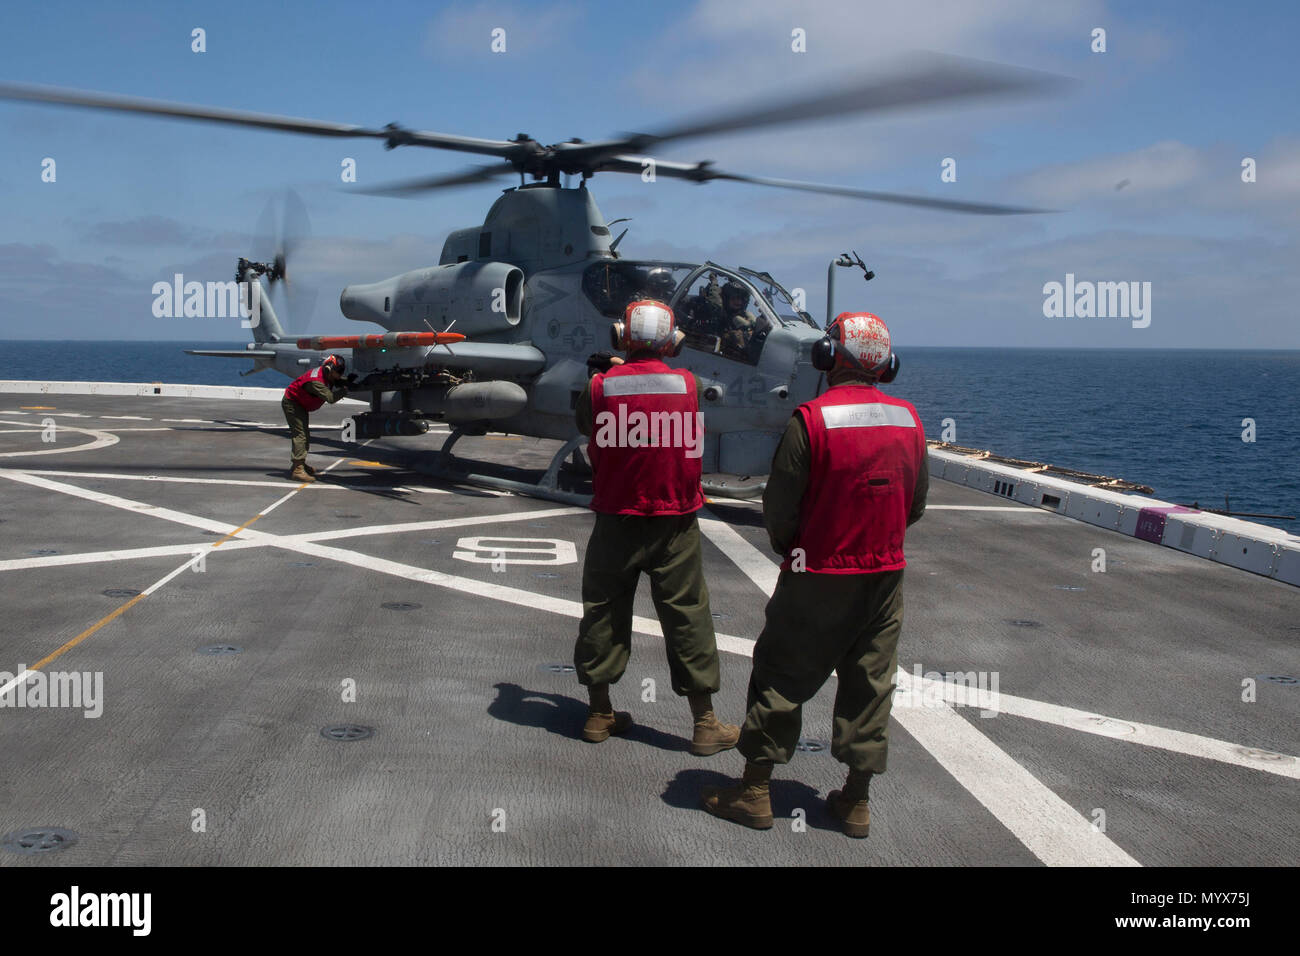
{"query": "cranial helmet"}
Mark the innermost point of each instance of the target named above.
(734, 288)
(647, 325)
(334, 362)
(659, 284)
(859, 341)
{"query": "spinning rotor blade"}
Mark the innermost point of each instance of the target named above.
(282, 229)
(924, 78)
(410, 187)
(392, 135)
(703, 173)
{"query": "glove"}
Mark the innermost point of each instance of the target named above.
(351, 379)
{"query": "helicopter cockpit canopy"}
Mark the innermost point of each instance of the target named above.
(721, 311)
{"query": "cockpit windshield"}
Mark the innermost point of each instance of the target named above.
(783, 302)
(610, 286)
(723, 312)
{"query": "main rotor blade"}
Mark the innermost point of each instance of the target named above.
(410, 187)
(924, 78)
(703, 173)
(394, 136)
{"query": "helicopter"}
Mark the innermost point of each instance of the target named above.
(495, 336)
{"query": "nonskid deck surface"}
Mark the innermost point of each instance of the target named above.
(1118, 733)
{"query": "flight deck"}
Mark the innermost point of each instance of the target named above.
(376, 669)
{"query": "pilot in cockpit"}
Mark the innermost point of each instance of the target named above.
(737, 322)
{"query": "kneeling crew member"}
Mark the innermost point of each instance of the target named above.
(305, 394)
(646, 496)
(848, 478)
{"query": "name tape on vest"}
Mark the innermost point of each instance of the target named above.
(866, 415)
(645, 385)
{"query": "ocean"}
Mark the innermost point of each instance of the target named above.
(1172, 419)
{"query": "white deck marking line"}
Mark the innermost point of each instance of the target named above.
(18, 679)
(176, 479)
(236, 482)
(125, 554)
(753, 562)
(1027, 509)
(102, 439)
(408, 526)
(195, 521)
(1049, 827)
(126, 504)
(125, 418)
(1163, 738)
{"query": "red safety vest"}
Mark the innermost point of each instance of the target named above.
(866, 451)
(303, 397)
(646, 440)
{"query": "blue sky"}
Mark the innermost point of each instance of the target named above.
(1182, 94)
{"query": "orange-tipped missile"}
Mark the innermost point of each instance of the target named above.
(389, 340)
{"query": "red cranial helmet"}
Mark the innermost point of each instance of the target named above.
(647, 325)
(858, 341)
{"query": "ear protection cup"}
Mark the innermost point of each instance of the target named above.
(616, 336)
(823, 354)
(890, 373)
(679, 339)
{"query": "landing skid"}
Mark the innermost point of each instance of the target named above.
(548, 487)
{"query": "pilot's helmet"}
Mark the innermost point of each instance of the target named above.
(733, 291)
(659, 284)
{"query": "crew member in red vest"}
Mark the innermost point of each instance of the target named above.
(847, 479)
(306, 393)
(646, 439)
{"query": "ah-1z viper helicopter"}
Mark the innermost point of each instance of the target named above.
(535, 288)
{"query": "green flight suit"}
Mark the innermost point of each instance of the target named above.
(818, 624)
(297, 417)
(667, 548)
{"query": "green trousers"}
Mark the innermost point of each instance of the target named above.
(299, 435)
(817, 624)
(667, 549)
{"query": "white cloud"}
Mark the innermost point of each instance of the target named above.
(466, 30)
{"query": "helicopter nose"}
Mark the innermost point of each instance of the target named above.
(369, 303)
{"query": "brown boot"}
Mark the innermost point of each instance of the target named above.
(601, 718)
(309, 469)
(711, 735)
(299, 472)
(849, 805)
(749, 803)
